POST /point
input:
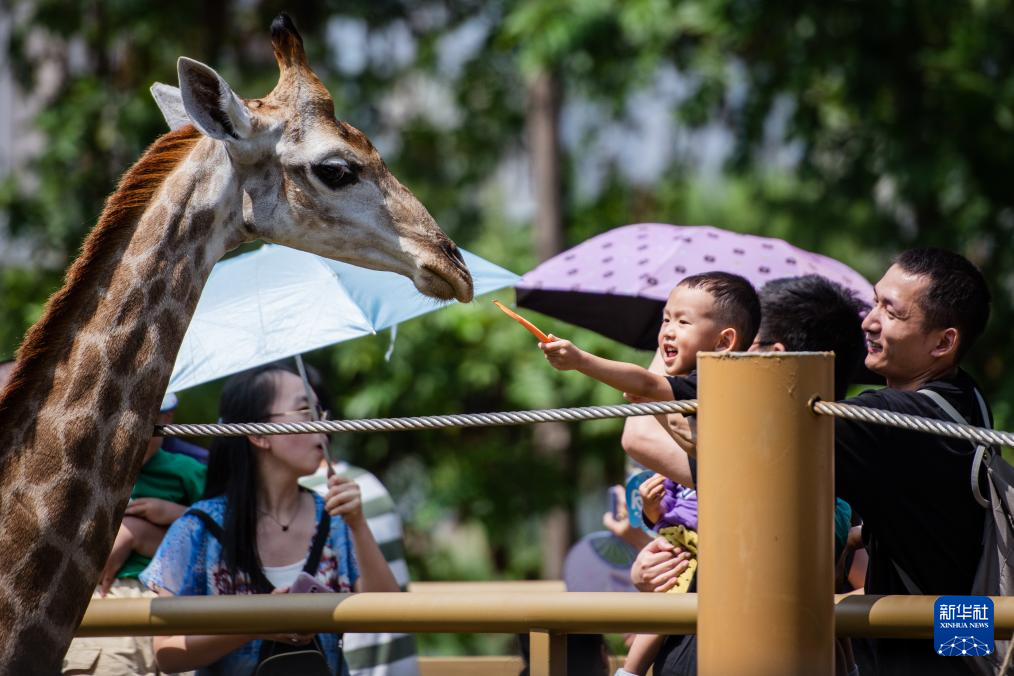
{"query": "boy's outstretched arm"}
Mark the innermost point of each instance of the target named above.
(648, 443)
(629, 378)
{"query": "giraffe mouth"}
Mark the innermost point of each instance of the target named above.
(446, 282)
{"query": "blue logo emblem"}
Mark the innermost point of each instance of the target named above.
(963, 626)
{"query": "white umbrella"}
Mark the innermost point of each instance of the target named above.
(276, 302)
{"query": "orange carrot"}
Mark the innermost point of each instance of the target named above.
(532, 328)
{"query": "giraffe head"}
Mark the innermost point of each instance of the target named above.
(310, 181)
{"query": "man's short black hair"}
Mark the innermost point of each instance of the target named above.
(957, 296)
(736, 302)
(813, 314)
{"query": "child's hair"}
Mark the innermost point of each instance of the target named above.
(736, 303)
(811, 313)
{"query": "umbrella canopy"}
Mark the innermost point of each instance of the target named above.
(276, 302)
(617, 283)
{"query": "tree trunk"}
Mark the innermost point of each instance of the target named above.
(551, 440)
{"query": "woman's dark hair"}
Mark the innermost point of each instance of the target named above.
(233, 473)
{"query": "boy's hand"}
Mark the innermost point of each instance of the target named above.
(562, 354)
(652, 491)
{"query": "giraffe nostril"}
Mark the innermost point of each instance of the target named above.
(451, 250)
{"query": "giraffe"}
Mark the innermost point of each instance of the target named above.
(79, 407)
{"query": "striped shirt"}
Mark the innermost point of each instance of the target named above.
(376, 654)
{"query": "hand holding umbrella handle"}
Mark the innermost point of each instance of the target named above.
(532, 328)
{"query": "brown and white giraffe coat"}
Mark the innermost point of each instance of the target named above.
(79, 408)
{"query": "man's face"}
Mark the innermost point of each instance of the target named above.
(898, 345)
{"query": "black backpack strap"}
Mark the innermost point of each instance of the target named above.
(209, 523)
(981, 451)
(270, 648)
(319, 540)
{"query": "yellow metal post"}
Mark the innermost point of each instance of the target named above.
(766, 494)
(547, 653)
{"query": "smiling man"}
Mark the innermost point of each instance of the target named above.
(922, 525)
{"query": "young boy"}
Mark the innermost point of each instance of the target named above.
(709, 312)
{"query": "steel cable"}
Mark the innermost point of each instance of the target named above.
(848, 411)
(944, 428)
(428, 422)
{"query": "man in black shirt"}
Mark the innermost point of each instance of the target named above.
(922, 525)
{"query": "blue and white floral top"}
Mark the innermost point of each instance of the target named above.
(189, 563)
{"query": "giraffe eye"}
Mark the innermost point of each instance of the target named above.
(334, 173)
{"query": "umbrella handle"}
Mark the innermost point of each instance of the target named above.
(301, 367)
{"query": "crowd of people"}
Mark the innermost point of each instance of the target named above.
(265, 515)
(913, 494)
(262, 514)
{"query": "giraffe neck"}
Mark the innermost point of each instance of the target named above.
(77, 417)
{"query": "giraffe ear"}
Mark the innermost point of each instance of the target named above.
(211, 104)
(170, 102)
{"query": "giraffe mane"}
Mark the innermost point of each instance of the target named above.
(51, 334)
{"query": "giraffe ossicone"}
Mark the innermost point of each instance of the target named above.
(78, 409)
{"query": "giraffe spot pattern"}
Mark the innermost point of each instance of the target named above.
(80, 442)
(67, 503)
(27, 657)
(59, 612)
(130, 310)
(99, 537)
(122, 353)
(38, 570)
(19, 523)
(110, 398)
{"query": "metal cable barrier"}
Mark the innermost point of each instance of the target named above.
(981, 435)
(877, 416)
(431, 422)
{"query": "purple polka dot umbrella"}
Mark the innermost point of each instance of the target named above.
(616, 283)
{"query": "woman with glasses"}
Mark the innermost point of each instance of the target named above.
(257, 530)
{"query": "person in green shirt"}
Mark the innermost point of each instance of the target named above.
(167, 485)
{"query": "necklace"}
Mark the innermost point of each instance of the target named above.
(284, 526)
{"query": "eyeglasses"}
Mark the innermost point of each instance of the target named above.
(306, 414)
